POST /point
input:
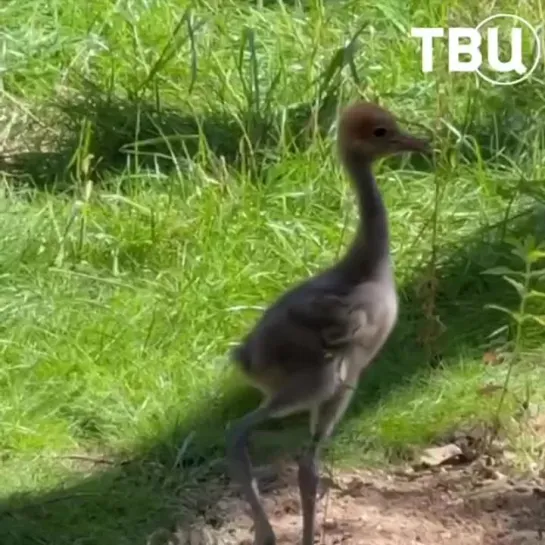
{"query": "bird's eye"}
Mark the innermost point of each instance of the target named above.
(380, 132)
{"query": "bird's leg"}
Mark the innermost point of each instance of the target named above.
(323, 421)
(332, 410)
(308, 479)
(241, 471)
(299, 394)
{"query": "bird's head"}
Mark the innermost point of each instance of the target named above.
(367, 132)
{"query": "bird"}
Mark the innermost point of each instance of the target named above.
(309, 347)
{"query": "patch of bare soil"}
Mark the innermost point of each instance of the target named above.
(460, 505)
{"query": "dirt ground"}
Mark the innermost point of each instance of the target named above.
(457, 505)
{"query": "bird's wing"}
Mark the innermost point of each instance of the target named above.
(327, 313)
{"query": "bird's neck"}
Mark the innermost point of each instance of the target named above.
(369, 255)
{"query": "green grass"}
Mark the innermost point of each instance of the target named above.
(165, 177)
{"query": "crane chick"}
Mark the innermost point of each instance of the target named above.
(308, 349)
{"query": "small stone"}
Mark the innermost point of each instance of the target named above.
(330, 525)
(407, 472)
(354, 488)
(538, 491)
(436, 456)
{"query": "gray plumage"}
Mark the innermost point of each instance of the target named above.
(307, 351)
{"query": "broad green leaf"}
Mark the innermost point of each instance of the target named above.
(520, 253)
(535, 293)
(498, 271)
(530, 243)
(519, 318)
(501, 309)
(535, 255)
(537, 273)
(517, 285)
(539, 319)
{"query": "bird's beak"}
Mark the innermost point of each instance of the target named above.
(407, 142)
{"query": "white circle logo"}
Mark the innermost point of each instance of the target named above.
(537, 47)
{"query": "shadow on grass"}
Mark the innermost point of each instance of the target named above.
(125, 503)
(101, 134)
